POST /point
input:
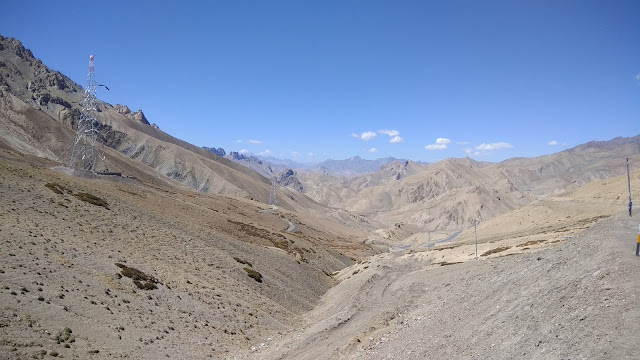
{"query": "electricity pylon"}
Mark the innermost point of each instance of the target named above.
(272, 194)
(84, 153)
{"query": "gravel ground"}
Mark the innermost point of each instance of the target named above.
(579, 299)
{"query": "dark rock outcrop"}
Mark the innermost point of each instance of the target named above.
(137, 116)
(288, 178)
(217, 151)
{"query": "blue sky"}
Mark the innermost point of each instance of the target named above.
(310, 80)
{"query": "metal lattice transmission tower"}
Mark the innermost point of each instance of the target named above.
(84, 153)
(273, 201)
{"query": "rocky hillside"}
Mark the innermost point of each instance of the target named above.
(452, 193)
(40, 108)
(169, 272)
(288, 178)
(262, 167)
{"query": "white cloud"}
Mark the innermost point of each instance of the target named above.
(368, 135)
(238, 141)
(355, 135)
(244, 151)
(391, 133)
(265, 153)
(638, 77)
(436, 147)
(441, 144)
(494, 146)
(311, 154)
(255, 142)
(373, 150)
(462, 143)
(470, 151)
(553, 143)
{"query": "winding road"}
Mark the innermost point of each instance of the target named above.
(292, 228)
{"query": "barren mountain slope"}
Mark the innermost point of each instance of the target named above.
(446, 195)
(539, 224)
(568, 169)
(40, 107)
(334, 190)
(557, 296)
(450, 194)
(262, 167)
(61, 246)
(563, 215)
(27, 130)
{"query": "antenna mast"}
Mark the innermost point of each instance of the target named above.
(85, 153)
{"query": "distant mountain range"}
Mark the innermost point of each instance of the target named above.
(271, 166)
(354, 166)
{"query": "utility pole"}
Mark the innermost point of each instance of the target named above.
(475, 230)
(629, 182)
(84, 152)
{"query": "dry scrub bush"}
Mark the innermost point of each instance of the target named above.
(253, 274)
(242, 261)
(496, 250)
(138, 277)
(92, 199)
(57, 188)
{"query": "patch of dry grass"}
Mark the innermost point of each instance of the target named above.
(57, 188)
(92, 199)
(253, 274)
(496, 250)
(446, 247)
(147, 285)
(140, 279)
(242, 261)
(445, 263)
(532, 242)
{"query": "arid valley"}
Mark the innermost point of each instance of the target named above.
(176, 252)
